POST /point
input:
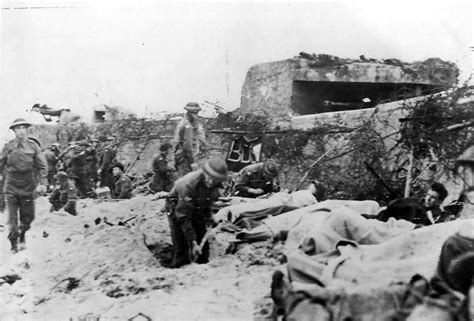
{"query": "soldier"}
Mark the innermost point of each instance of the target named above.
(64, 195)
(163, 175)
(190, 211)
(190, 138)
(52, 156)
(106, 160)
(78, 168)
(92, 160)
(64, 158)
(122, 183)
(257, 179)
(22, 161)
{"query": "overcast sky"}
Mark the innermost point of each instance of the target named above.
(158, 56)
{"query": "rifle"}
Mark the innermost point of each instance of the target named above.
(380, 179)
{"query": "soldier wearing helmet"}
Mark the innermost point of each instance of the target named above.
(64, 195)
(23, 164)
(190, 211)
(257, 179)
(52, 156)
(190, 139)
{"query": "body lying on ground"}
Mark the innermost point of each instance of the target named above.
(345, 279)
(250, 212)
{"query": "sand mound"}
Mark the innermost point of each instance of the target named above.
(111, 261)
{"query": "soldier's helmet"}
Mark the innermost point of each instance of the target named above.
(270, 170)
(61, 176)
(216, 168)
(165, 147)
(19, 122)
(192, 107)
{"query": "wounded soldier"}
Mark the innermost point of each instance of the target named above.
(251, 214)
(347, 273)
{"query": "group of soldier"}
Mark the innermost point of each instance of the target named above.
(70, 174)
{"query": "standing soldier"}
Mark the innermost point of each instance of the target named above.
(52, 156)
(106, 160)
(92, 160)
(190, 211)
(78, 170)
(21, 161)
(163, 174)
(190, 138)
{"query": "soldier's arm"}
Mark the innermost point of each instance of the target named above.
(3, 158)
(41, 165)
(202, 138)
(184, 211)
(243, 183)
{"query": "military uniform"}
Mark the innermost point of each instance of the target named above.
(22, 162)
(106, 160)
(163, 175)
(52, 160)
(123, 187)
(91, 165)
(190, 213)
(252, 176)
(64, 196)
(189, 140)
(78, 170)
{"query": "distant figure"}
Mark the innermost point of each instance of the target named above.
(122, 184)
(77, 169)
(52, 156)
(257, 179)
(64, 195)
(107, 156)
(163, 174)
(22, 162)
(92, 161)
(190, 138)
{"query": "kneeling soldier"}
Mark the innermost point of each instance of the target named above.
(122, 184)
(64, 195)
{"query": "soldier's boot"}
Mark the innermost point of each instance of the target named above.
(21, 244)
(14, 243)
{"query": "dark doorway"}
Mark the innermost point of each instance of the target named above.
(314, 97)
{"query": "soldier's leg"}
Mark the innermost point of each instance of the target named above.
(13, 204)
(181, 249)
(155, 182)
(27, 215)
(183, 167)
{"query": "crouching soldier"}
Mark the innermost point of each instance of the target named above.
(256, 180)
(163, 174)
(122, 184)
(64, 195)
(190, 211)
